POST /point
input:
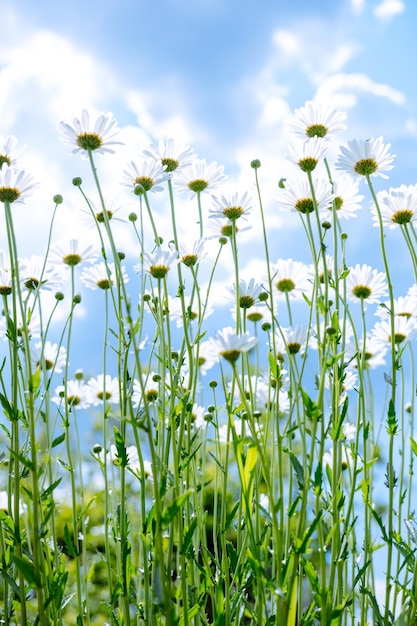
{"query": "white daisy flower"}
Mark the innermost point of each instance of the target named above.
(230, 345)
(191, 255)
(34, 274)
(9, 152)
(366, 158)
(6, 281)
(291, 340)
(248, 293)
(74, 393)
(32, 325)
(224, 433)
(171, 155)
(374, 353)
(49, 356)
(397, 206)
(176, 312)
(349, 431)
(199, 177)
(208, 356)
(150, 383)
(231, 207)
(95, 135)
(103, 389)
(145, 176)
(15, 185)
(405, 306)
(101, 276)
(405, 329)
(297, 195)
(158, 263)
(72, 252)
(364, 284)
(306, 154)
(291, 278)
(218, 227)
(315, 119)
(347, 200)
(96, 215)
(347, 458)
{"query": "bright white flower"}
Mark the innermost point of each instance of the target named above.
(374, 353)
(349, 431)
(49, 356)
(145, 176)
(33, 326)
(405, 306)
(264, 502)
(191, 255)
(348, 382)
(191, 311)
(291, 278)
(365, 158)
(315, 119)
(248, 293)
(101, 276)
(405, 329)
(150, 384)
(397, 206)
(95, 214)
(198, 416)
(224, 433)
(364, 284)
(103, 389)
(158, 263)
(9, 153)
(74, 393)
(15, 185)
(325, 332)
(347, 200)
(231, 207)
(291, 340)
(72, 252)
(297, 195)
(34, 274)
(96, 135)
(347, 458)
(171, 155)
(199, 177)
(208, 356)
(6, 282)
(306, 154)
(224, 228)
(230, 345)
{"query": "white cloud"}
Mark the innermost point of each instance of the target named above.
(389, 9)
(287, 43)
(357, 6)
(342, 90)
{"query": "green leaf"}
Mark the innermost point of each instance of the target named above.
(28, 570)
(122, 458)
(172, 510)
(71, 549)
(58, 440)
(189, 536)
(298, 468)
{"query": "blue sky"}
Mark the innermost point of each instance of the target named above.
(221, 75)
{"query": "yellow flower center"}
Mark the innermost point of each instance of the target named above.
(9, 194)
(170, 163)
(317, 130)
(89, 141)
(72, 259)
(285, 285)
(361, 291)
(402, 217)
(366, 167)
(198, 185)
(304, 205)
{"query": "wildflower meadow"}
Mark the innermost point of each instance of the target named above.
(252, 464)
